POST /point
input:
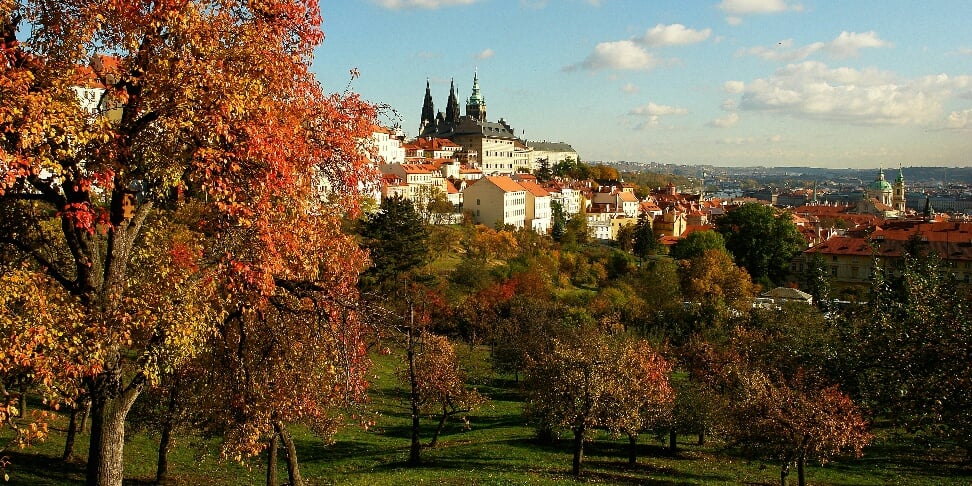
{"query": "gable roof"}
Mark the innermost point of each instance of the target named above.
(533, 188)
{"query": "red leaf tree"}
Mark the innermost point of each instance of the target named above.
(199, 100)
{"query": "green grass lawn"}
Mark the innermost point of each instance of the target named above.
(498, 448)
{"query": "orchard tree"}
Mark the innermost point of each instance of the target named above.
(911, 346)
(208, 100)
(641, 396)
(793, 421)
(440, 383)
(591, 380)
(761, 241)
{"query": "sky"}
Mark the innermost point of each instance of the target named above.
(774, 83)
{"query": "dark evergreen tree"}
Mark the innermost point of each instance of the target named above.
(559, 224)
(544, 172)
(645, 242)
(397, 240)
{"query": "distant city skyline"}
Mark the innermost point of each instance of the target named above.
(861, 84)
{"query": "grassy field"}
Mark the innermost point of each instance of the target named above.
(497, 449)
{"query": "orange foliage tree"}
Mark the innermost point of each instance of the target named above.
(591, 380)
(114, 110)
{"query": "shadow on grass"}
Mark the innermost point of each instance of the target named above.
(42, 469)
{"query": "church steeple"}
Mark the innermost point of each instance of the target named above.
(476, 105)
(452, 106)
(428, 112)
(898, 199)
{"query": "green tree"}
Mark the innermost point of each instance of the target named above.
(696, 243)
(761, 241)
(396, 238)
(910, 349)
(645, 242)
(544, 171)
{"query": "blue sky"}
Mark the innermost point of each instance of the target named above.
(725, 82)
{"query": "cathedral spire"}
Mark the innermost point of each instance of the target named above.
(428, 112)
(452, 106)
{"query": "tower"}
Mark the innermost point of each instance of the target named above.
(898, 198)
(452, 106)
(476, 105)
(427, 127)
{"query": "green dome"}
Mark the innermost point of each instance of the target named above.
(880, 185)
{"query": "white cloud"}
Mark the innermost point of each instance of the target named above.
(485, 54)
(847, 44)
(736, 141)
(426, 4)
(867, 97)
(632, 54)
(630, 88)
(727, 121)
(734, 87)
(652, 112)
(622, 55)
(747, 7)
(673, 35)
(959, 120)
(749, 140)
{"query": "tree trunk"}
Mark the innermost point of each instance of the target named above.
(578, 450)
(165, 442)
(109, 407)
(801, 466)
(72, 432)
(672, 440)
(415, 448)
(632, 449)
(272, 461)
(85, 411)
(438, 429)
(784, 473)
(22, 405)
(702, 436)
(292, 468)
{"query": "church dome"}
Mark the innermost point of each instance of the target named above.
(880, 185)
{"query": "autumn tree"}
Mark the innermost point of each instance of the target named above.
(440, 383)
(761, 241)
(793, 421)
(780, 397)
(714, 282)
(641, 396)
(591, 380)
(199, 100)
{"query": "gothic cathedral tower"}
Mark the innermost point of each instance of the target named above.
(898, 198)
(427, 127)
(452, 106)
